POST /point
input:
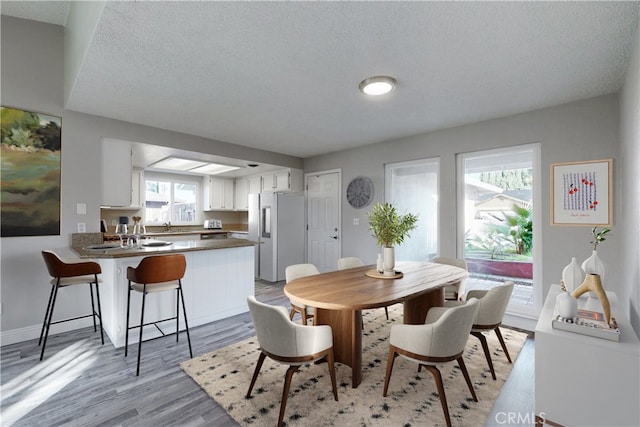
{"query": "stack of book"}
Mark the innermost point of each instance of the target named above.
(587, 322)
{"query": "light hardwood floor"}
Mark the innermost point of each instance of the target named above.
(81, 383)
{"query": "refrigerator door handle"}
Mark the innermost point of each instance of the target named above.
(266, 222)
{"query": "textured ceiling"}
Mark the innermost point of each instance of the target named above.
(283, 76)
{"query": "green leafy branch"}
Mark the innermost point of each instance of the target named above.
(598, 236)
(388, 227)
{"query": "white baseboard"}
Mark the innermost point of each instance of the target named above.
(520, 321)
(33, 332)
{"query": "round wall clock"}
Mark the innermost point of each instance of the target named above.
(360, 192)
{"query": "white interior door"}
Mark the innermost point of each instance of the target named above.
(323, 219)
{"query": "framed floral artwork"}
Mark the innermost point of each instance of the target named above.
(30, 174)
(581, 193)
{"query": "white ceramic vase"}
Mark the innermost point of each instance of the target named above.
(566, 305)
(572, 275)
(594, 265)
(389, 261)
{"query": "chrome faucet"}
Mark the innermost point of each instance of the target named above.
(168, 225)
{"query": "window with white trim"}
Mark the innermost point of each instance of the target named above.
(172, 198)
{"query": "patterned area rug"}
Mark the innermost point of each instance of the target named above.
(412, 400)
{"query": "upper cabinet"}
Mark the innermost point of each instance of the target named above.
(244, 187)
(116, 185)
(138, 188)
(282, 181)
(255, 184)
(218, 194)
(241, 194)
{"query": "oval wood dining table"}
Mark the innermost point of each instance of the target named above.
(340, 296)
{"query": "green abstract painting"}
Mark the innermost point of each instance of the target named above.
(30, 174)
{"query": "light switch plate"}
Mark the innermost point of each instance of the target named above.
(356, 221)
(81, 209)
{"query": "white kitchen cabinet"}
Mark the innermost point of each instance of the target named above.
(218, 194)
(215, 285)
(255, 183)
(177, 237)
(236, 235)
(282, 181)
(241, 194)
(138, 188)
(116, 185)
(583, 380)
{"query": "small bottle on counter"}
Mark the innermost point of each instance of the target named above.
(379, 264)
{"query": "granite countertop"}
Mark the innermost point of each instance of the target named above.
(200, 231)
(174, 247)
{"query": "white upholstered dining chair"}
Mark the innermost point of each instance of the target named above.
(293, 272)
(353, 262)
(290, 344)
(441, 339)
(492, 304)
(349, 262)
(455, 291)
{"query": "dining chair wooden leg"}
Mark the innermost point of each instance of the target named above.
(502, 343)
(463, 368)
(256, 372)
(386, 312)
(332, 373)
(285, 391)
(487, 353)
(443, 398)
(387, 377)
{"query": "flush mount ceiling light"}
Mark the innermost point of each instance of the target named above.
(194, 166)
(177, 164)
(213, 169)
(378, 85)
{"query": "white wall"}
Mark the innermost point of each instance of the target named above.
(582, 130)
(33, 79)
(629, 179)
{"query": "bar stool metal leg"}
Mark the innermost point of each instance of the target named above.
(93, 308)
(144, 297)
(184, 311)
(99, 309)
(177, 314)
(46, 314)
(126, 337)
(46, 333)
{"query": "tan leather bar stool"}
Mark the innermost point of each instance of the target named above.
(157, 273)
(66, 273)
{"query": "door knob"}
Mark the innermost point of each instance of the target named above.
(334, 237)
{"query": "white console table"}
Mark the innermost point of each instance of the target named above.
(583, 380)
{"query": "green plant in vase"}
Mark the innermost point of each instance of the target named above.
(390, 229)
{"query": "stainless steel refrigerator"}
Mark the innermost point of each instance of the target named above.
(276, 220)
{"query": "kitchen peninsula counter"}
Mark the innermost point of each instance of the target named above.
(217, 281)
(174, 247)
